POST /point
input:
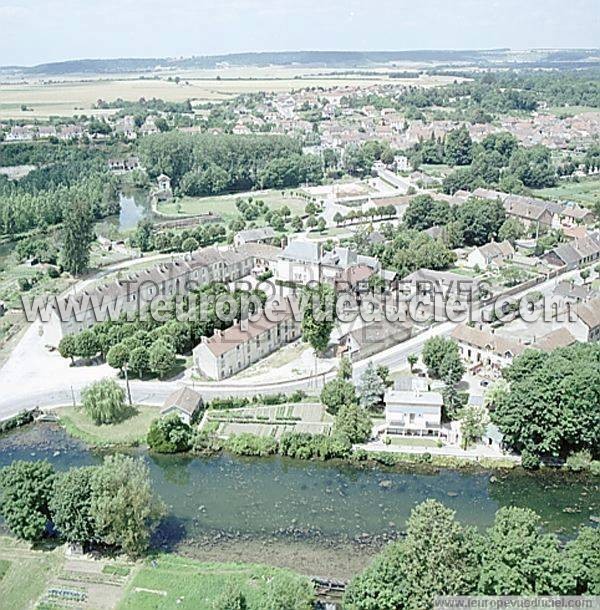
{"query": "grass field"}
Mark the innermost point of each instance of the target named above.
(412, 442)
(585, 192)
(132, 430)
(177, 583)
(72, 96)
(27, 573)
(225, 205)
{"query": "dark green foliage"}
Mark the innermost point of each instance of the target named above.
(169, 435)
(249, 444)
(70, 506)
(553, 407)
(26, 489)
(336, 393)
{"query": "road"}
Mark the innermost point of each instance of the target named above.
(33, 378)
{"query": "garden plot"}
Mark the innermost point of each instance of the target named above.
(270, 420)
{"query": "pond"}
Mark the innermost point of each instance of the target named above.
(135, 205)
(275, 497)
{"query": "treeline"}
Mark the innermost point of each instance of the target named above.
(207, 164)
(109, 505)
(143, 105)
(441, 556)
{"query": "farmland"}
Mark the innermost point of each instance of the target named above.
(64, 98)
(586, 192)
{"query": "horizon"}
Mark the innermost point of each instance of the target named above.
(38, 33)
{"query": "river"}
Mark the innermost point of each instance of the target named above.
(323, 509)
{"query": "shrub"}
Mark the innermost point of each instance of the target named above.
(530, 461)
(581, 460)
(250, 444)
(169, 435)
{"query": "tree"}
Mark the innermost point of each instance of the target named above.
(71, 505)
(583, 561)
(318, 317)
(370, 388)
(473, 423)
(518, 559)
(77, 236)
(26, 492)
(440, 355)
(338, 218)
(345, 368)
(553, 406)
(451, 368)
(143, 234)
(354, 423)
(458, 147)
(321, 224)
(139, 361)
(336, 393)
(441, 557)
(86, 344)
(190, 244)
(117, 356)
(67, 347)
(124, 507)
(169, 435)
(480, 221)
(286, 592)
(104, 402)
(412, 360)
(511, 230)
(382, 585)
(161, 357)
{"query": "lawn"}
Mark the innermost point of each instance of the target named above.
(27, 573)
(130, 431)
(177, 583)
(412, 442)
(224, 205)
(586, 192)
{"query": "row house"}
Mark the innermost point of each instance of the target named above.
(232, 350)
(134, 292)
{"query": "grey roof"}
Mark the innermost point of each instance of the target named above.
(184, 399)
(256, 234)
(302, 251)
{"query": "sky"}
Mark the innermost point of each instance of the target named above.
(40, 31)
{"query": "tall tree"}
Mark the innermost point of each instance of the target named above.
(77, 236)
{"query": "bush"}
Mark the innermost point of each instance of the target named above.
(250, 444)
(169, 435)
(579, 461)
(595, 468)
(530, 461)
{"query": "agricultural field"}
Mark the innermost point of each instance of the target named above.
(169, 583)
(586, 192)
(224, 205)
(44, 99)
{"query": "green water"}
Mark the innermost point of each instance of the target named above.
(287, 499)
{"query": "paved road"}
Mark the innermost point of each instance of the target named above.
(54, 389)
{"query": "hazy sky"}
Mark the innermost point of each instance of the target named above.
(36, 31)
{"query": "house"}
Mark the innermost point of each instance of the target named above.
(302, 262)
(561, 337)
(482, 348)
(491, 255)
(374, 337)
(254, 236)
(531, 212)
(184, 402)
(427, 281)
(577, 253)
(232, 350)
(588, 318)
(411, 409)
